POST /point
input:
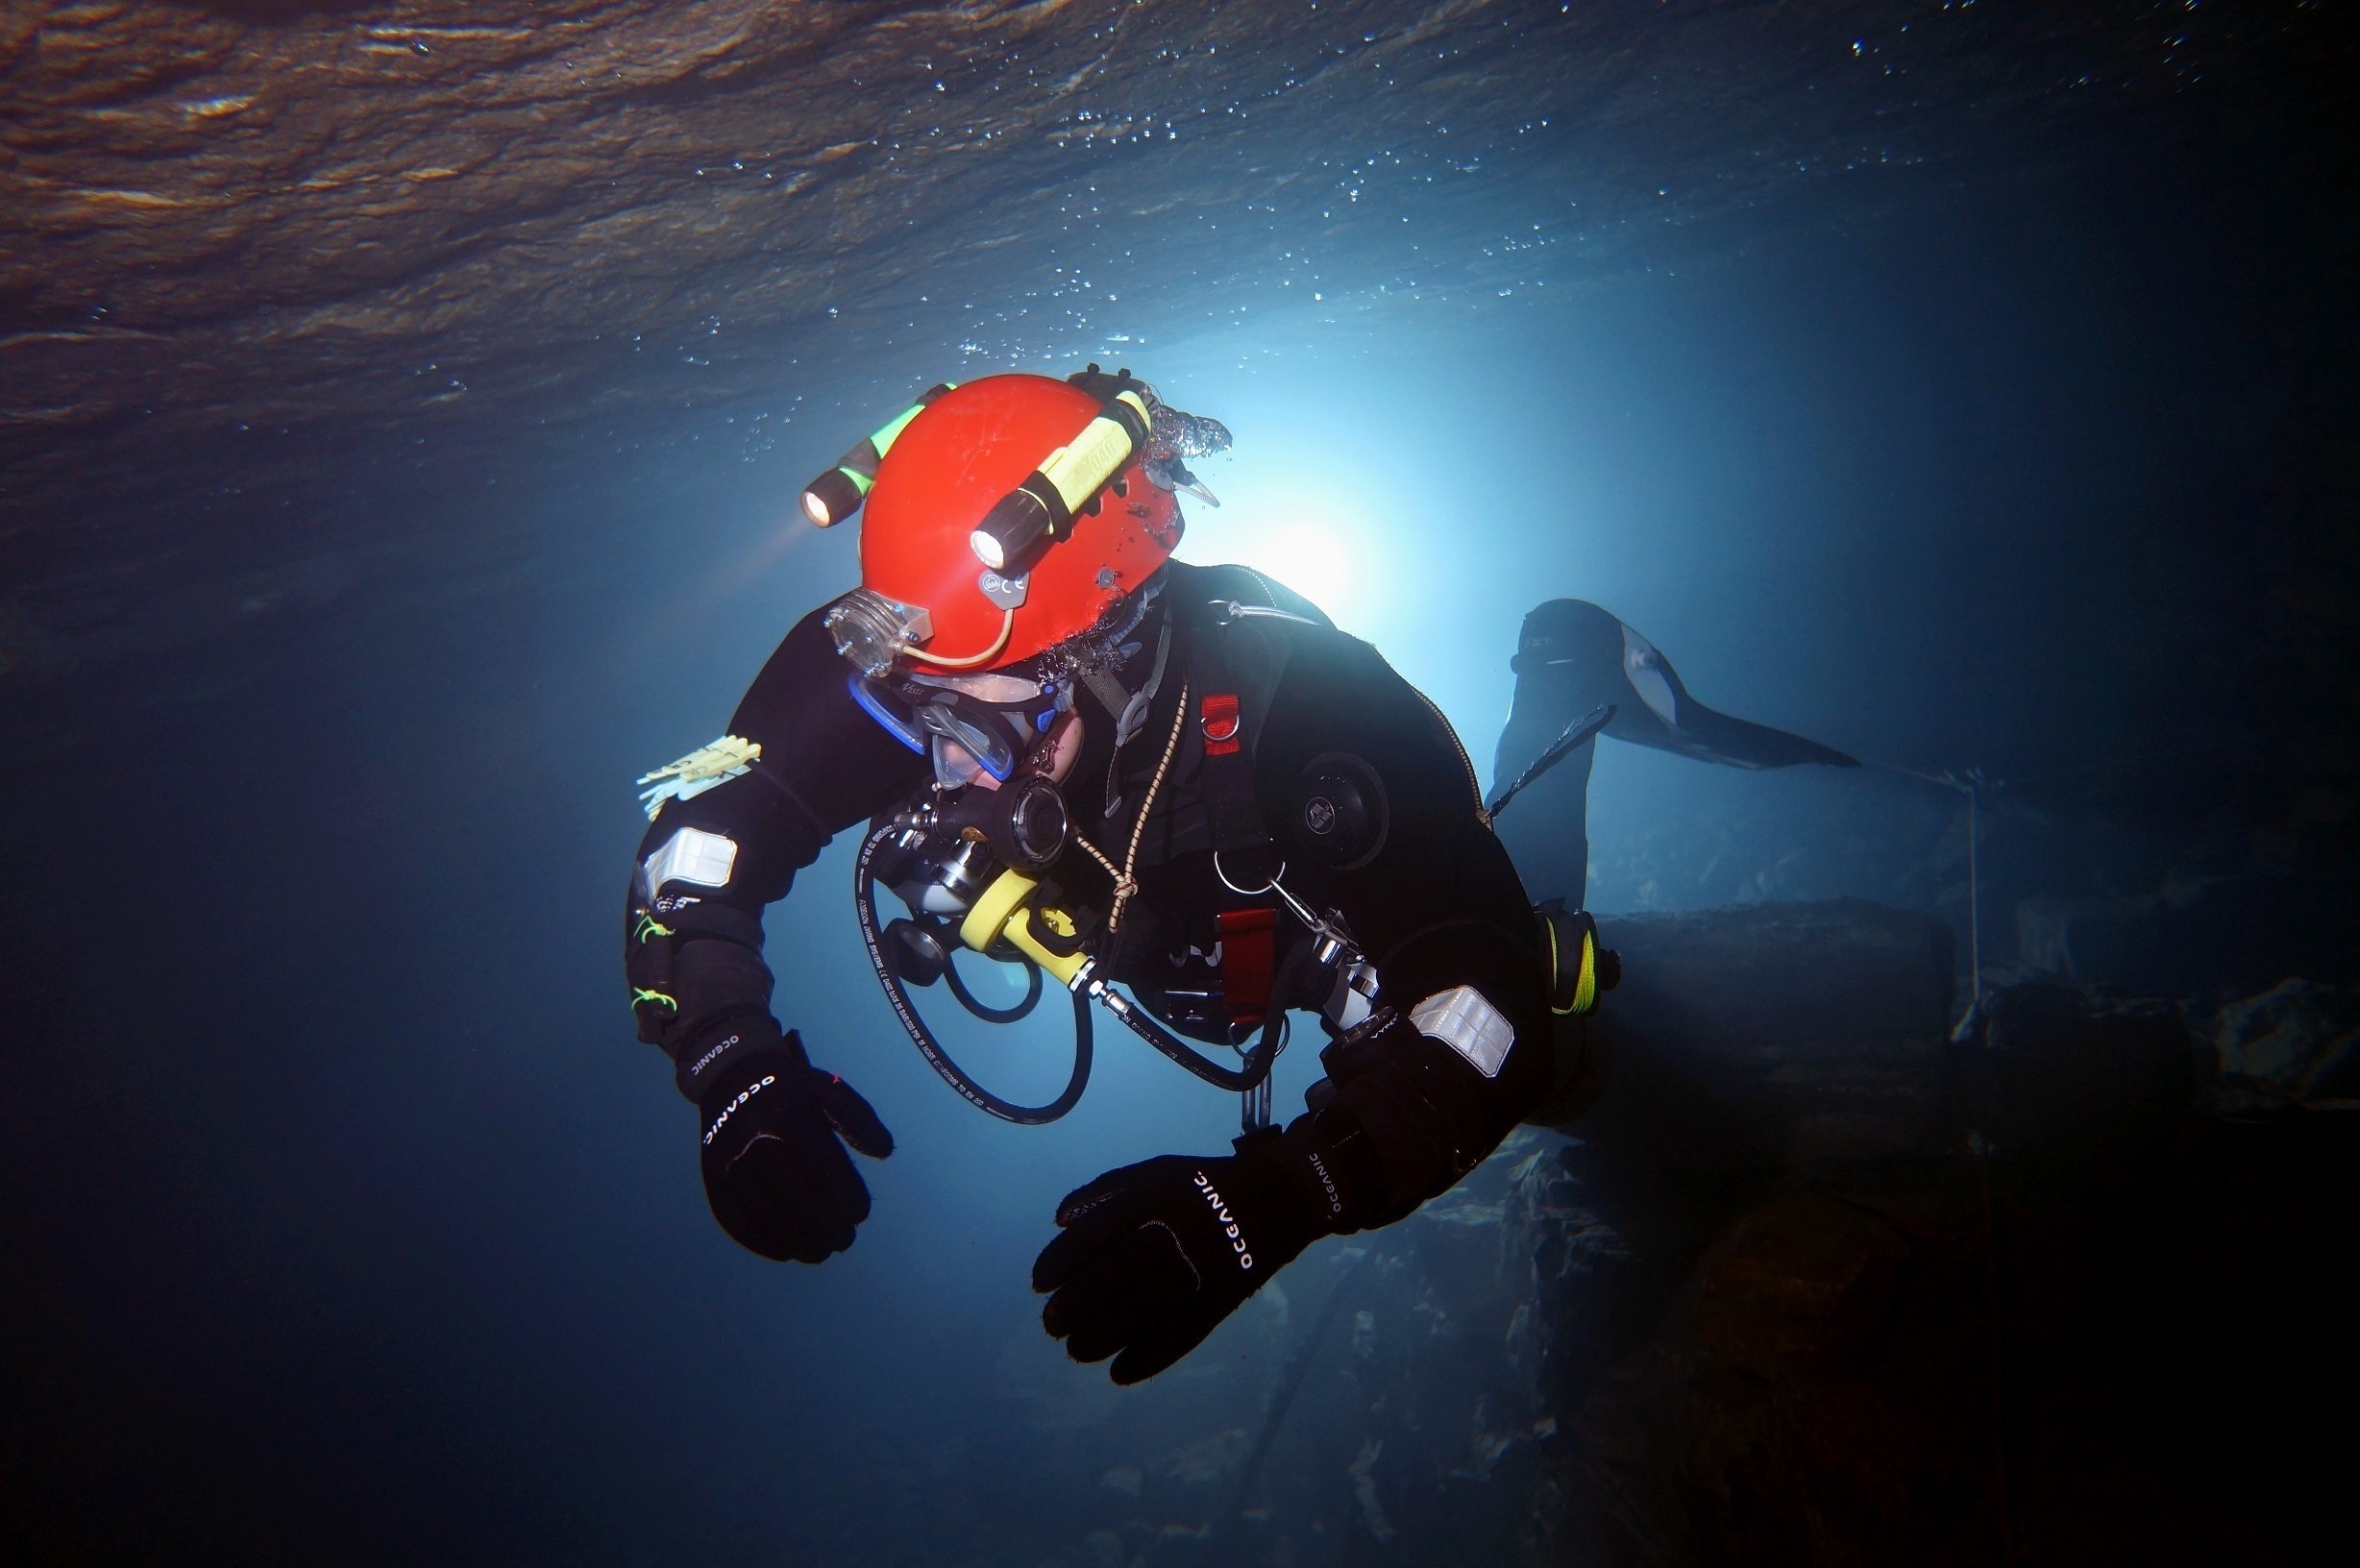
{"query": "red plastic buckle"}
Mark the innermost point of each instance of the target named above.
(1217, 717)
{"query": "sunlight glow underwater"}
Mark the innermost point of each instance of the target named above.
(1305, 544)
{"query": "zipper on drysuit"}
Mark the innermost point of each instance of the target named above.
(1467, 762)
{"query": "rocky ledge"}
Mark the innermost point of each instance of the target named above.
(1812, 1283)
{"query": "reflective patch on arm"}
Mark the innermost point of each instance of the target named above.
(691, 855)
(1462, 1020)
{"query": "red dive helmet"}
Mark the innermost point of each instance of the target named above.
(1004, 516)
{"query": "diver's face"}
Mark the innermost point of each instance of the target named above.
(1052, 754)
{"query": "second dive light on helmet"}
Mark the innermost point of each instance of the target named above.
(1040, 511)
(838, 493)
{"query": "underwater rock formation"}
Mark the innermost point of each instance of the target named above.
(2198, 938)
(1827, 1288)
(2295, 1045)
(1979, 1336)
(1772, 1036)
(264, 256)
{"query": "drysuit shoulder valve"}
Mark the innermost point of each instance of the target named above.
(1340, 815)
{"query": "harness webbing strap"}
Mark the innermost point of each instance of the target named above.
(1236, 666)
(1249, 947)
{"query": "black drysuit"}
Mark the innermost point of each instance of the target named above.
(1439, 907)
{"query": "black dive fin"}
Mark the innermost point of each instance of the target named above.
(1681, 723)
(1710, 736)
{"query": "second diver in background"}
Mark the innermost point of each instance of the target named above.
(1572, 658)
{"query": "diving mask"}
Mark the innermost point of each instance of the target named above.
(971, 726)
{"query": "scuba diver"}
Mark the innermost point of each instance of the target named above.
(1574, 659)
(1078, 756)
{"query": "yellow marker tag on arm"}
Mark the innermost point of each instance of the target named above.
(702, 769)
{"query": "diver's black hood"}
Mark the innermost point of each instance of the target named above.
(1570, 658)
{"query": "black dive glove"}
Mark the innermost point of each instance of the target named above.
(774, 1171)
(1154, 1255)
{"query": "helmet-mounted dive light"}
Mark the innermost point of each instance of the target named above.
(838, 493)
(1022, 524)
(935, 491)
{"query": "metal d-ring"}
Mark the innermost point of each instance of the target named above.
(1302, 912)
(1270, 886)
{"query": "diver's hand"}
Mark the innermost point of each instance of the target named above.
(1154, 1255)
(774, 1171)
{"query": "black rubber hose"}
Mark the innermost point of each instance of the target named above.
(1257, 1065)
(864, 906)
(967, 997)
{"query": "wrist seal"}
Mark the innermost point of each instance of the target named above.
(725, 1010)
(729, 1049)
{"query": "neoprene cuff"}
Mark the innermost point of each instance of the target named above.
(1320, 1165)
(717, 1051)
(1420, 1135)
